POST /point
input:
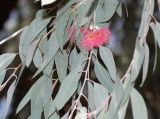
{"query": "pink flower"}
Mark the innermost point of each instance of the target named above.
(95, 38)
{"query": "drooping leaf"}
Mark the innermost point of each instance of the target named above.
(69, 84)
(146, 14)
(40, 96)
(52, 108)
(53, 48)
(2, 76)
(61, 61)
(73, 59)
(31, 52)
(61, 24)
(54, 116)
(115, 102)
(110, 7)
(138, 60)
(27, 97)
(91, 99)
(153, 25)
(37, 59)
(99, 97)
(122, 111)
(108, 60)
(29, 34)
(157, 32)
(119, 10)
(139, 108)
(9, 99)
(103, 76)
(145, 63)
(5, 60)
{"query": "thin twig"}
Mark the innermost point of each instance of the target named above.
(12, 36)
(83, 85)
(13, 75)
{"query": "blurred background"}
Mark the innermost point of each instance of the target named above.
(15, 14)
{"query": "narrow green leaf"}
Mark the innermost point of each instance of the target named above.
(110, 8)
(117, 96)
(91, 99)
(40, 96)
(69, 84)
(119, 10)
(145, 21)
(137, 60)
(73, 59)
(34, 29)
(123, 110)
(37, 58)
(153, 25)
(108, 60)
(2, 76)
(157, 32)
(99, 97)
(52, 108)
(54, 116)
(139, 108)
(9, 99)
(61, 61)
(53, 48)
(27, 97)
(103, 76)
(31, 52)
(61, 24)
(145, 63)
(5, 60)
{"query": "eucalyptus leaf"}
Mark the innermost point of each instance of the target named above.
(103, 76)
(117, 97)
(110, 8)
(9, 99)
(108, 60)
(137, 60)
(139, 108)
(73, 59)
(99, 97)
(37, 58)
(5, 60)
(69, 84)
(145, 63)
(53, 48)
(61, 61)
(29, 34)
(2, 76)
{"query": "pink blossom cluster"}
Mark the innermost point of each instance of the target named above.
(92, 38)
